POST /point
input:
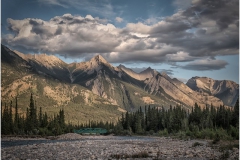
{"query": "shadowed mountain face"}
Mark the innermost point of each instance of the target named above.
(98, 83)
(227, 91)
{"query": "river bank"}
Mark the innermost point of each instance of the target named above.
(74, 146)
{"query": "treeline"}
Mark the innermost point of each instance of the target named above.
(39, 123)
(208, 122)
(109, 126)
(33, 123)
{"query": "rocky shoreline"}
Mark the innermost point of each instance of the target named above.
(113, 147)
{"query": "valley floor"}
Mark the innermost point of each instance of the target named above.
(74, 146)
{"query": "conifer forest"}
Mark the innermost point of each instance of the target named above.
(209, 122)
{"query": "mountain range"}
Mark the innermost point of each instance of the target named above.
(97, 90)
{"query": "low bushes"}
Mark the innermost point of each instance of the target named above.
(214, 134)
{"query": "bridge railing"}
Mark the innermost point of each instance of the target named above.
(90, 131)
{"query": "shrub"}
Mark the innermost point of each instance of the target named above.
(189, 133)
(207, 133)
(222, 134)
(163, 132)
(193, 128)
(151, 132)
(181, 134)
(234, 132)
(197, 134)
(216, 139)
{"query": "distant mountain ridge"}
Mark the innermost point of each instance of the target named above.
(96, 82)
(148, 73)
(226, 90)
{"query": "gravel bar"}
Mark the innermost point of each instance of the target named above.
(110, 147)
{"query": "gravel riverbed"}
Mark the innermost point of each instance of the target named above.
(73, 146)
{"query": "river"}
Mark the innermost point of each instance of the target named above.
(11, 143)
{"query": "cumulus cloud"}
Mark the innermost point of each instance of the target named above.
(119, 19)
(67, 34)
(193, 34)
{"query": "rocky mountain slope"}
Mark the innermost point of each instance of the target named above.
(92, 89)
(162, 83)
(112, 83)
(227, 91)
(21, 77)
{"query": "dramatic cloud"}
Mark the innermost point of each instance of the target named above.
(71, 35)
(179, 57)
(194, 33)
(204, 65)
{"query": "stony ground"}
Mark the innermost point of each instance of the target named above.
(111, 147)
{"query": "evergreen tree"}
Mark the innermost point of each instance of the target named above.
(235, 116)
(5, 123)
(10, 120)
(45, 120)
(61, 119)
(16, 118)
(40, 117)
(127, 122)
(137, 124)
(32, 115)
(27, 122)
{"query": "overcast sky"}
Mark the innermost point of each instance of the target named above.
(183, 38)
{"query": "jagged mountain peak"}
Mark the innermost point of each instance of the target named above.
(95, 64)
(149, 69)
(121, 66)
(147, 73)
(99, 59)
(124, 68)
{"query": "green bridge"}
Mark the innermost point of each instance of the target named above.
(90, 131)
